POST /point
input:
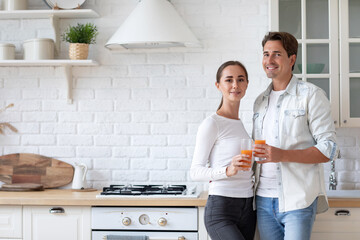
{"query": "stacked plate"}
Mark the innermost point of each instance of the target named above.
(64, 4)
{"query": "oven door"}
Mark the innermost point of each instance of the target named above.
(102, 235)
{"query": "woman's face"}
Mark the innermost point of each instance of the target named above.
(233, 83)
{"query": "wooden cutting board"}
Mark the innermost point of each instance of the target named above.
(22, 187)
(34, 168)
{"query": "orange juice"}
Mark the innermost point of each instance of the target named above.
(247, 152)
(260, 142)
(248, 163)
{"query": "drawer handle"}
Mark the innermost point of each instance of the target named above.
(56, 210)
(342, 213)
(151, 238)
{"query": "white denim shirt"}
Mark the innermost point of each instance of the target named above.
(304, 120)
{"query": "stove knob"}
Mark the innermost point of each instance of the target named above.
(126, 221)
(162, 221)
(181, 238)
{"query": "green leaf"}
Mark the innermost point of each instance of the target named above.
(81, 33)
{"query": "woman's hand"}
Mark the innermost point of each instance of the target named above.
(240, 162)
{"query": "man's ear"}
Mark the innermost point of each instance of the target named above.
(293, 59)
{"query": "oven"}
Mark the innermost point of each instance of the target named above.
(150, 223)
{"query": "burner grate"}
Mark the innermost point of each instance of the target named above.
(144, 190)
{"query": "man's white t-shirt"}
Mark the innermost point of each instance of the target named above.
(268, 177)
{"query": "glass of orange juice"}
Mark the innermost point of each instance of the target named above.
(258, 142)
(246, 148)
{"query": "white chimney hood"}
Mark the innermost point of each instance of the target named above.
(153, 24)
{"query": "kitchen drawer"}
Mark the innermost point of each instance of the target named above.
(330, 226)
(10, 222)
(57, 223)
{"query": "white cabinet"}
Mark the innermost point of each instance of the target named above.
(10, 222)
(202, 230)
(329, 49)
(337, 223)
(57, 223)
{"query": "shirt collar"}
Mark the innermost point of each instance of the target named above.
(291, 87)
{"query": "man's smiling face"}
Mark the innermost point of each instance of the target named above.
(276, 63)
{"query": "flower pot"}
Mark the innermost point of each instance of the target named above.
(78, 51)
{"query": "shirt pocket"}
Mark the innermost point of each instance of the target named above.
(295, 122)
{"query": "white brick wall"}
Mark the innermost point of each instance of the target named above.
(134, 117)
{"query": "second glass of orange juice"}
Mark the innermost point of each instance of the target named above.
(258, 142)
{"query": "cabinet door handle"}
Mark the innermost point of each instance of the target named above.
(56, 210)
(342, 212)
(154, 238)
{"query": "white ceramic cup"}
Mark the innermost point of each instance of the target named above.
(7, 51)
(11, 5)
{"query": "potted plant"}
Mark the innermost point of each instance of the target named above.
(79, 37)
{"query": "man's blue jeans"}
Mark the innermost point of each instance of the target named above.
(291, 225)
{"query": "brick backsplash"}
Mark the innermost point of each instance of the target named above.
(134, 117)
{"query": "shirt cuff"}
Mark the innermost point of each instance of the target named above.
(220, 173)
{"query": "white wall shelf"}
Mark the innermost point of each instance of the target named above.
(66, 64)
(42, 63)
(26, 14)
(54, 16)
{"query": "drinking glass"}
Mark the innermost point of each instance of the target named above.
(246, 148)
(258, 142)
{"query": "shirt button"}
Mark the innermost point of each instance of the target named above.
(279, 183)
(278, 106)
(276, 137)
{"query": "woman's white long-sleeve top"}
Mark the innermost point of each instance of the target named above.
(217, 142)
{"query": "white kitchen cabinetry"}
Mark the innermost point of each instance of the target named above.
(337, 223)
(57, 223)
(329, 49)
(202, 230)
(10, 222)
(54, 16)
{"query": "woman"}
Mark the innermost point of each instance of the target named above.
(229, 210)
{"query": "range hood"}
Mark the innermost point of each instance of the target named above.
(153, 24)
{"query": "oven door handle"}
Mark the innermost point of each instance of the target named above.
(179, 238)
(154, 238)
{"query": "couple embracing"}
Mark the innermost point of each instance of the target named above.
(294, 119)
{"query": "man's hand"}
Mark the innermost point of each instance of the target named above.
(268, 153)
(309, 155)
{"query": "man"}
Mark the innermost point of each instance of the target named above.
(295, 120)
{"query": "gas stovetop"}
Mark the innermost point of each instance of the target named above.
(158, 191)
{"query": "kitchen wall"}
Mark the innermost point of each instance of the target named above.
(135, 116)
